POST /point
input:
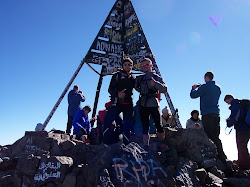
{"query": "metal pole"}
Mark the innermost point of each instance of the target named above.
(62, 95)
(97, 95)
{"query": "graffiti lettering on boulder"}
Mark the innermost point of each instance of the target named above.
(30, 148)
(48, 170)
(208, 152)
(45, 176)
(29, 141)
(135, 149)
(105, 181)
(49, 165)
(139, 172)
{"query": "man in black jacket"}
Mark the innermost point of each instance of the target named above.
(120, 89)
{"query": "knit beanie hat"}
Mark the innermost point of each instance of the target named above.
(165, 110)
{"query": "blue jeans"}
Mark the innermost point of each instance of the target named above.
(126, 126)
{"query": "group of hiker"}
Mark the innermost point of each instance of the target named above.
(147, 111)
(209, 94)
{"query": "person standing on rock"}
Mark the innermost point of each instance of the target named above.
(149, 85)
(237, 119)
(75, 97)
(209, 94)
(121, 91)
(194, 122)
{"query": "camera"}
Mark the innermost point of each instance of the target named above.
(198, 85)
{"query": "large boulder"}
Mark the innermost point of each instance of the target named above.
(27, 165)
(52, 169)
(41, 143)
(131, 165)
(192, 144)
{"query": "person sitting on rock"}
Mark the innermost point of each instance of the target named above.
(194, 122)
(81, 122)
(167, 118)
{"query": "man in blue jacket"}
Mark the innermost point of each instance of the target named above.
(209, 94)
(75, 97)
(81, 122)
(237, 119)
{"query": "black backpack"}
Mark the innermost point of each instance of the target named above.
(245, 103)
(111, 135)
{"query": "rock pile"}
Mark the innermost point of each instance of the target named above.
(53, 159)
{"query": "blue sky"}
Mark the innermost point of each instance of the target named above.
(43, 41)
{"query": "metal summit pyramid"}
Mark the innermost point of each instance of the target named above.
(121, 34)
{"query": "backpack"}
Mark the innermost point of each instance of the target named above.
(245, 103)
(111, 135)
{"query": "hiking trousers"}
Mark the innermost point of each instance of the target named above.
(69, 124)
(113, 114)
(211, 125)
(242, 138)
(145, 113)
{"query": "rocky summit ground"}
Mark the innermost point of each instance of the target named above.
(56, 159)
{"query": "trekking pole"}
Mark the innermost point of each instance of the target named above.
(40, 126)
(229, 131)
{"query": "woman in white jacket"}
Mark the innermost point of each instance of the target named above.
(194, 122)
